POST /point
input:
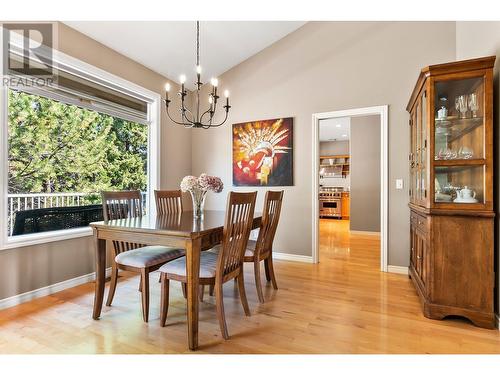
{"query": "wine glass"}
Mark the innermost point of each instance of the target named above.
(473, 104)
(461, 103)
(465, 153)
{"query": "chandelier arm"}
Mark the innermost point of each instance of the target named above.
(203, 115)
(174, 121)
(215, 108)
(225, 118)
(212, 112)
(183, 110)
(192, 120)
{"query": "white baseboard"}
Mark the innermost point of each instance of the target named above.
(293, 257)
(367, 233)
(47, 290)
(498, 321)
(398, 269)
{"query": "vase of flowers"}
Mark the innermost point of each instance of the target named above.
(198, 187)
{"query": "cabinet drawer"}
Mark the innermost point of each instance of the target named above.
(420, 222)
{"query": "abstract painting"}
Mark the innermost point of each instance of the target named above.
(263, 153)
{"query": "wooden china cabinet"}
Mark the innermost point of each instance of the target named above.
(451, 190)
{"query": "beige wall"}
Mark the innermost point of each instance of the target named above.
(478, 39)
(32, 267)
(365, 171)
(327, 66)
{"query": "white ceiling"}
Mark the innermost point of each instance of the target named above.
(169, 47)
(335, 129)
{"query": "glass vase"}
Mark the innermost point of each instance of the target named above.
(198, 197)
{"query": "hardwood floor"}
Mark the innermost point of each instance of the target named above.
(342, 305)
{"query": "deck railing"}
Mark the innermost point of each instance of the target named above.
(21, 202)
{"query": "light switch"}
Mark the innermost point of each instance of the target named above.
(399, 184)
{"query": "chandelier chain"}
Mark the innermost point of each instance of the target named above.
(197, 43)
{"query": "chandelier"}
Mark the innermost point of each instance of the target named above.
(197, 118)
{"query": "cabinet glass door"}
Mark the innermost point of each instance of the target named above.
(459, 119)
(459, 184)
(413, 156)
(459, 148)
(418, 138)
(423, 146)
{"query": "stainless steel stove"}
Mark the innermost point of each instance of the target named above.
(330, 202)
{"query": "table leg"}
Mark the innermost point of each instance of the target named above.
(100, 275)
(193, 249)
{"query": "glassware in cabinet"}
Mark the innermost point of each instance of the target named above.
(459, 127)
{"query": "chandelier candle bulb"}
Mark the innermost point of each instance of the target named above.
(215, 83)
(198, 76)
(167, 89)
(183, 80)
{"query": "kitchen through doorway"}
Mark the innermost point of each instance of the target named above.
(350, 184)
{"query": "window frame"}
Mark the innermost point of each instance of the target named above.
(97, 75)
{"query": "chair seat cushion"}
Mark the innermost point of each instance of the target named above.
(251, 246)
(208, 265)
(249, 252)
(214, 250)
(148, 256)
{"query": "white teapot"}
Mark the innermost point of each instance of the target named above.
(466, 194)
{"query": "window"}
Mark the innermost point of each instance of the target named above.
(61, 155)
(61, 145)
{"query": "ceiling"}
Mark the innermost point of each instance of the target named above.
(169, 47)
(335, 129)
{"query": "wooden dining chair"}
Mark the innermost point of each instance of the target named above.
(218, 268)
(168, 201)
(134, 257)
(262, 249)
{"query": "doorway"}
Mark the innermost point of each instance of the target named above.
(382, 125)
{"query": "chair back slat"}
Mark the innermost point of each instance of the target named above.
(237, 227)
(168, 201)
(270, 219)
(122, 205)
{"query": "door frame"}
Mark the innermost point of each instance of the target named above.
(382, 111)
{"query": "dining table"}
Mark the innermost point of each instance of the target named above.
(181, 230)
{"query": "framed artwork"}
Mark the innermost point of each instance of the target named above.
(263, 153)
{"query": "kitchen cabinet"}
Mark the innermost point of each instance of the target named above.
(334, 166)
(451, 190)
(345, 208)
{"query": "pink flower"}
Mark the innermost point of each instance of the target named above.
(203, 183)
(212, 183)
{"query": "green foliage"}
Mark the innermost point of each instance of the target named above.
(56, 147)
